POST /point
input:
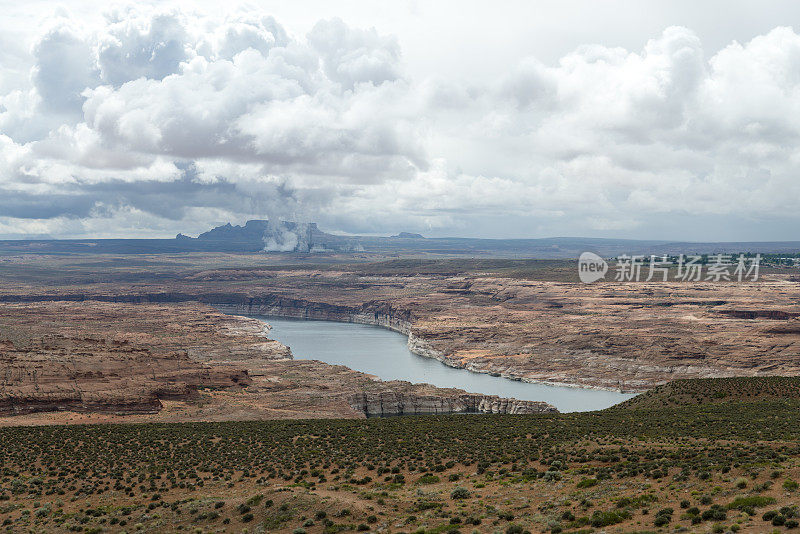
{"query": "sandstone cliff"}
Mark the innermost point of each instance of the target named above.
(98, 357)
(609, 335)
(116, 361)
(380, 404)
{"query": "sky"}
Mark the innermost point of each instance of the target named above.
(623, 119)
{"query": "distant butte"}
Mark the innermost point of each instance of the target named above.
(409, 235)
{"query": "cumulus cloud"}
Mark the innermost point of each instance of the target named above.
(63, 69)
(133, 47)
(162, 121)
(352, 56)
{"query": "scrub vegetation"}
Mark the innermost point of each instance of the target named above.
(723, 466)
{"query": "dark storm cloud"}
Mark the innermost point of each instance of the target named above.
(170, 200)
(165, 199)
(24, 205)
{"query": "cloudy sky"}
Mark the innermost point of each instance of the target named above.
(631, 119)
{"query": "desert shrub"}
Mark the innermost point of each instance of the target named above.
(459, 493)
(753, 501)
(550, 476)
(636, 502)
(715, 513)
(663, 517)
(610, 517)
(255, 500)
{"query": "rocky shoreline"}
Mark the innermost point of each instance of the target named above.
(310, 310)
(615, 337)
(618, 337)
(113, 361)
(391, 404)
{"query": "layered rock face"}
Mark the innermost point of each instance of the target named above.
(116, 362)
(381, 404)
(373, 313)
(93, 378)
(627, 337)
(389, 402)
(100, 357)
(609, 335)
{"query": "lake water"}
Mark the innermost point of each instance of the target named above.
(384, 353)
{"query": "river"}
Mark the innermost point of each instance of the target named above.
(384, 353)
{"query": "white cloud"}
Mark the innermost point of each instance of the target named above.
(63, 69)
(183, 119)
(352, 56)
(134, 46)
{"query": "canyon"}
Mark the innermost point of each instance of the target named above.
(170, 343)
(93, 361)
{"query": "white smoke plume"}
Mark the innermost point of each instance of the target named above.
(287, 237)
